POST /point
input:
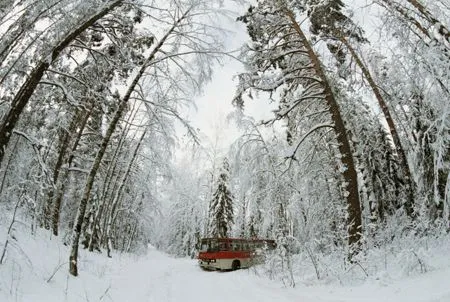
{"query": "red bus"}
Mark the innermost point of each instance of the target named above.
(232, 253)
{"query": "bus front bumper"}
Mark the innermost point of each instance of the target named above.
(208, 264)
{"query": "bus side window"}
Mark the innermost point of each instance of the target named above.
(222, 246)
(213, 247)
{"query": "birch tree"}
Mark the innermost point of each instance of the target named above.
(183, 40)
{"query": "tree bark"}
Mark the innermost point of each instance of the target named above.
(107, 192)
(5, 172)
(349, 173)
(130, 241)
(64, 141)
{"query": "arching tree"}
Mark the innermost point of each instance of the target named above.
(182, 43)
(284, 62)
(342, 36)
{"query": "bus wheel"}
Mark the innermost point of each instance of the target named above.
(235, 265)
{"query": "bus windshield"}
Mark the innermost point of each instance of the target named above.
(208, 245)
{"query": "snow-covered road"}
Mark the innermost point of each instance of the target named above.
(160, 278)
(39, 273)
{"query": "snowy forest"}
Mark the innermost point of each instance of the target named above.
(97, 153)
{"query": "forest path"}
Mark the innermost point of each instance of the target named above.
(36, 270)
(161, 278)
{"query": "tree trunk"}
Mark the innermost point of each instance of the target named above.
(73, 259)
(118, 195)
(349, 173)
(64, 141)
(27, 89)
(425, 14)
(13, 152)
(73, 268)
(408, 187)
(442, 30)
(61, 184)
(130, 241)
(108, 191)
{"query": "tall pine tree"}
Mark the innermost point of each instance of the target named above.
(283, 63)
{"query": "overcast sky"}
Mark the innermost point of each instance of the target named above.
(214, 106)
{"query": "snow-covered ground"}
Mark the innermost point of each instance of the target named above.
(36, 270)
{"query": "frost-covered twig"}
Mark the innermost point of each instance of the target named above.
(423, 267)
(55, 271)
(37, 147)
(363, 269)
(313, 260)
(9, 232)
(313, 129)
(105, 292)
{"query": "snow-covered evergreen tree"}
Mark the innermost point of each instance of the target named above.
(221, 206)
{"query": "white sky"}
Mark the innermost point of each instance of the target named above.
(213, 107)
